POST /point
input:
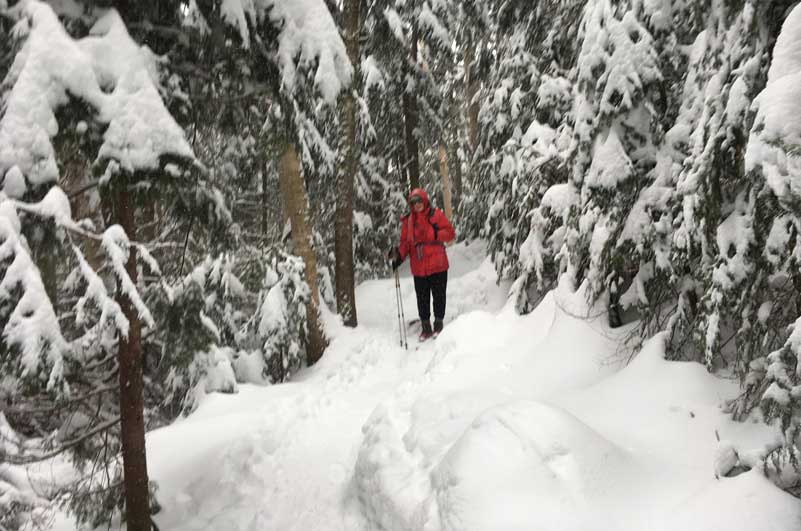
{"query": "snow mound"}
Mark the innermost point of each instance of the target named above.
(721, 503)
(518, 465)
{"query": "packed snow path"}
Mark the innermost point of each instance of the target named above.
(504, 422)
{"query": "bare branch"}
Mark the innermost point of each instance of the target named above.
(20, 460)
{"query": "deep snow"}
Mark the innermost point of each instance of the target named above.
(505, 422)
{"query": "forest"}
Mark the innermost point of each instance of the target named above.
(195, 193)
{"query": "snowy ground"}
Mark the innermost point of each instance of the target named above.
(503, 423)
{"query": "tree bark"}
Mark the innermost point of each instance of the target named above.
(446, 181)
(343, 223)
(265, 200)
(410, 118)
(293, 192)
(456, 166)
(134, 461)
(471, 90)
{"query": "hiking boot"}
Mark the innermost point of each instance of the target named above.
(426, 333)
(438, 324)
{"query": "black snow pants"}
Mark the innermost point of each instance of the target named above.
(425, 287)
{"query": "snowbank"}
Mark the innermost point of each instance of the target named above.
(504, 422)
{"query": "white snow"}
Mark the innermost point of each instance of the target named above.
(427, 19)
(52, 65)
(14, 184)
(117, 246)
(610, 164)
(504, 422)
(308, 38)
(395, 24)
(32, 325)
(776, 133)
(559, 197)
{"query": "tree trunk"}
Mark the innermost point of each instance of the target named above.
(137, 506)
(265, 200)
(343, 223)
(446, 181)
(456, 165)
(293, 192)
(471, 90)
(410, 118)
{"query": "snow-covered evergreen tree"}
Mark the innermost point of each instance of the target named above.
(614, 145)
(523, 142)
(770, 257)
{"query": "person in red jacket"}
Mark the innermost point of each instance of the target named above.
(424, 233)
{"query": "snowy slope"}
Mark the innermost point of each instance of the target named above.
(504, 423)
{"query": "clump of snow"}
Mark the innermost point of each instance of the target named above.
(54, 205)
(395, 24)
(734, 238)
(32, 325)
(248, 367)
(787, 52)
(52, 66)
(428, 20)
(140, 128)
(310, 37)
(776, 134)
(373, 76)
(559, 197)
(219, 373)
(610, 163)
(117, 247)
(554, 92)
(14, 184)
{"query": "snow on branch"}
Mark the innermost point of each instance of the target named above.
(116, 244)
(310, 33)
(107, 70)
(308, 36)
(110, 311)
(32, 325)
(775, 140)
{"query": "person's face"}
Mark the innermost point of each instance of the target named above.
(417, 203)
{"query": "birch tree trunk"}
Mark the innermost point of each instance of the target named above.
(343, 223)
(446, 181)
(293, 192)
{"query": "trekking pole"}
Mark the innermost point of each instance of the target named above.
(401, 318)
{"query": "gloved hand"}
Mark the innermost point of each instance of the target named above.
(394, 257)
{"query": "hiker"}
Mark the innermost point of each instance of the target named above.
(424, 233)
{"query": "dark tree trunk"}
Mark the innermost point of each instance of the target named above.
(343, 224)
(265, 201)
(456, 167)
(410, 119)
(137, 506)
(471, 90)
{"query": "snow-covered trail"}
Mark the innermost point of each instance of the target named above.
(504, 422)
(282, 457)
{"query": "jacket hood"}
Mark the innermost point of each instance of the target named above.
(422, 194)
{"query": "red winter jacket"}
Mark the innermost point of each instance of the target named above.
(423, 238)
